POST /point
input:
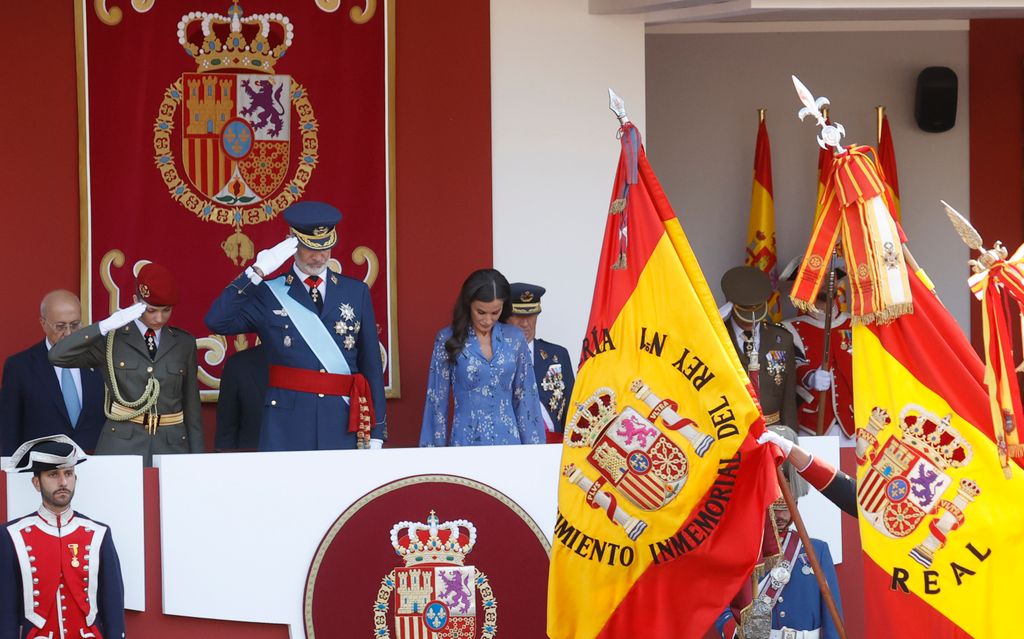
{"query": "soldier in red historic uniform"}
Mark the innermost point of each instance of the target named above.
(59, 572)
(815, 376)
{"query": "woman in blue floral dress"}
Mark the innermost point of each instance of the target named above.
(485, 365)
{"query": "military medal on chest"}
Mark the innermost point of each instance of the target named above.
(73, 548)
(776, 364)
(348, 326)
(554, 384)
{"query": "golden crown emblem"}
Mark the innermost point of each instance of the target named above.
(433, 542)
(591, 418)
(935, 439)
(251, 43)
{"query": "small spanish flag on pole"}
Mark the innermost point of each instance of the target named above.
(761, 251)
(887, 160)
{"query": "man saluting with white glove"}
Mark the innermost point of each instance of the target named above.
(326, 377)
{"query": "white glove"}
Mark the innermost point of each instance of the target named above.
(821, 379)
(784, 444)
(271, 259)
(122, 317)
(376, 443)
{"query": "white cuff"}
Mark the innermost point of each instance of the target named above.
(376, 444)
(253, 276)
(810, 460)
(105, 327)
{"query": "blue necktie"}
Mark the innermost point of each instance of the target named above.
(67, 388)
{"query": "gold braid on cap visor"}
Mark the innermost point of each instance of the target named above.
(317, 241)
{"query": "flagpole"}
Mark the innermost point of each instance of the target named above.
(812, 557)
(879, 116)
(830, 299)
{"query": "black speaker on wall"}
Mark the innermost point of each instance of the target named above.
(935, 103)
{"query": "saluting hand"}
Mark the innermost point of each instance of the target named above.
(271, 259)
(122, 317)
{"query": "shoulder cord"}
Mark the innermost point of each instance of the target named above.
(145, 403)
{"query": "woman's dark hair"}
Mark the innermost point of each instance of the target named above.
(485, 285)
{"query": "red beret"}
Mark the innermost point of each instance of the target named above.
(155, 285)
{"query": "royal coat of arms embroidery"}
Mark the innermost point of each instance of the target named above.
(436, 595)
(232, 161)
(907, 480)
(631, 453)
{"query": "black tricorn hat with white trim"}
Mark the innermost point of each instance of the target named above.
(46, 453)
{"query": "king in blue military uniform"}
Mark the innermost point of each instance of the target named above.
(326, 382)
(551, 364)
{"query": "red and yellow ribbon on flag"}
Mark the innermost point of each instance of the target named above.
(761, 251)
(856, 206)
(664, 490)
(996, 286)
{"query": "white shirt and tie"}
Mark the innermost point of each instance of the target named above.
(70, 382)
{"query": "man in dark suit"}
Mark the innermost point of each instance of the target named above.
(243, 388)
(765, 348)
(39, 399)
(551, 364)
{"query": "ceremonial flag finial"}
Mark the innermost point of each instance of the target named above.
(973, 240)
(831, 133)
(617, 106)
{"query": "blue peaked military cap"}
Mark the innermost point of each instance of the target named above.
(526, 298)
(313, 224)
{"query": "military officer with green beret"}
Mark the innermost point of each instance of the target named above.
(765, 348)
(149, 369)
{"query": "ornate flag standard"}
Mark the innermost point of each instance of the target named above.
(761, 251)
(887, 160)
(664, 490)
(940, 525)
(204, 120)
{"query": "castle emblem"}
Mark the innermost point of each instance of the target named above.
(634, 458)
(907, 483)
(232, 160)
(436, 594)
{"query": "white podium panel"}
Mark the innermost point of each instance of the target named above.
(824, 520)
(239, 530)
(109, 490)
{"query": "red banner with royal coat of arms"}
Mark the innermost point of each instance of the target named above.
(203, 120)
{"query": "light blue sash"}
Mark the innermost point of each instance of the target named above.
(312, 330)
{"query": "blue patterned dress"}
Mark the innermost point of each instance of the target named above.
(496, 401)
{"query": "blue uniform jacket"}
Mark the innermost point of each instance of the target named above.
(294, 420)
(800, 606)
(31, 404)
(495, 400)
(546, 355)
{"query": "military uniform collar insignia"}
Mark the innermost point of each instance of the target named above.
(334, 279)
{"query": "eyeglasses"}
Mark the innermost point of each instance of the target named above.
(63, 327)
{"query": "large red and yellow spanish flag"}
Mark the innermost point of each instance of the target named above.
(761, 250)
(663, 490)
(942, 528)
(887, 160)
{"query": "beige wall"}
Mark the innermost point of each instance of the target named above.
(554, 146)
(702, 94)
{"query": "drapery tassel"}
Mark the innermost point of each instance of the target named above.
(856, 209)
(996, 283)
